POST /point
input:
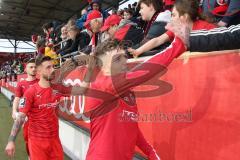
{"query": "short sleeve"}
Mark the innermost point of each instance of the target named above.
(170, 35)
(18, 90)
(26, 102)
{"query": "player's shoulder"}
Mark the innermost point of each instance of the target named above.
(22, 82)
(31, 90)
(30, 83)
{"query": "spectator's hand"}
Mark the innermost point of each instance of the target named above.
(10, 149)
(68, 65)
(222, 24)
(180, 29)
(91, 62)
(81, 59)
(65, 68)
(134, 52)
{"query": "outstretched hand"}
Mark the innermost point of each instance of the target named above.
(91, 63)
(133, 52)
(68, 66)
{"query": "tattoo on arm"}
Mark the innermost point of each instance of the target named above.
(15, 103)
(16, 127)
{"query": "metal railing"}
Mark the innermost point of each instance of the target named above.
(60, 58)
(60, 43)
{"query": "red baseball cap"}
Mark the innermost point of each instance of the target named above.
(34, 38)
(110, 21)
(91, 16)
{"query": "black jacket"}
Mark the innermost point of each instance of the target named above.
(215, 39)
(81, 41)
(67, 45)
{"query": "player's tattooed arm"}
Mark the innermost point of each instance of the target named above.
(20, 118)
(15, 107)
(10, 148)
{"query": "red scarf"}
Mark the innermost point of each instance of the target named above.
(149, 24)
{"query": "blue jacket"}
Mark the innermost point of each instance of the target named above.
(231, 13)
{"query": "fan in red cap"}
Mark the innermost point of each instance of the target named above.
(111, 24)
(34, 38)
(94, 23)
(92, 16)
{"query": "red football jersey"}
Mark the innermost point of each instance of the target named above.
(22, 86)
(114, 129)
(39, 104)
(197, 25)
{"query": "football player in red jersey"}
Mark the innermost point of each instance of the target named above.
(39, 105)
(111, 105)
(22, 86)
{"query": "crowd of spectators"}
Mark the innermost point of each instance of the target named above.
(137, 24)
(14, 66)
(141, 25)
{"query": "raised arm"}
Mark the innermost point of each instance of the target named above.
(68, 67)
(76, 90)
(146, 70)
(151, 44)
(207, 40)
(215, 39)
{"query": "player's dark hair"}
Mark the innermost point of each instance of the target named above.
(32, 60)
(42, 59)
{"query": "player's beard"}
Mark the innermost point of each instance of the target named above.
(33, 74)
(50, 77)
